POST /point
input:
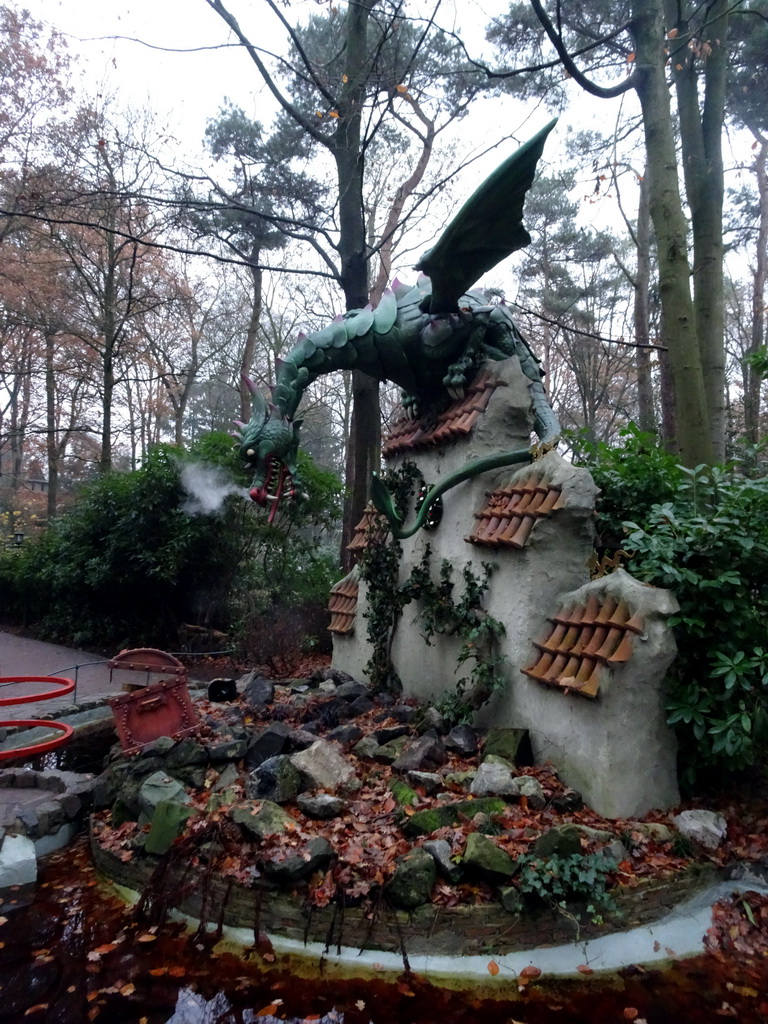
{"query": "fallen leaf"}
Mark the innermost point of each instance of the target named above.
(530, 972)
(583, 969)
(146, 937)
(360, 1004)
(158, 972)
(493, 968)
(630, 1012)
(34, 1009)
(269, 1010)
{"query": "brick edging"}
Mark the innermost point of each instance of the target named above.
(454, 931)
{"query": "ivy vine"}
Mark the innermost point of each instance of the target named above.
(442, 612)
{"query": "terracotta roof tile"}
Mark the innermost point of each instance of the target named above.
(343, 605)
(585, 641)
(372, 528)
(456, 421)
(512, 511)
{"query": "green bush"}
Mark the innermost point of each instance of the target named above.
(130, 561)
(703, 534)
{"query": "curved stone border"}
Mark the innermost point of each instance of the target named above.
(49, 823)
(430, 930)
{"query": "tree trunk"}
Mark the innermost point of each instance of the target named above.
(694, 438)
(757, 335)
(251, 335)
(646, 416)
(701, 126)
(51, 447)
(364, 442)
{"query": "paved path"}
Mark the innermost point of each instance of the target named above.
(20, 656)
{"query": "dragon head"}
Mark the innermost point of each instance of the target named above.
(268, 443)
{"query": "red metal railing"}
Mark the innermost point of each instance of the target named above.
(61, 688)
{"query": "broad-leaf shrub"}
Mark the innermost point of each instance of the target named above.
(705, 538)
(128, 562)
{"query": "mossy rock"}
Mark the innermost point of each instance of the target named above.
(168, 823)
(268, 820)
(411, 884)
(423, 823)
(560, 841)
(403, 794)
(484, 859)
(505, 743)
(498, 759)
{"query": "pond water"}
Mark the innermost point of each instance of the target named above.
(79, 954)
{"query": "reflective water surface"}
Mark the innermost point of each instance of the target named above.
(78, 954)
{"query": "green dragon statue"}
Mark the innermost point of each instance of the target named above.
(428, 338)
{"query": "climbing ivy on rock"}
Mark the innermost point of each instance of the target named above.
(442, 611)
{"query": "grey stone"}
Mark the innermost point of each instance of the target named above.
(367, 747)
(462, 740)
(411, 884)
(167, 825)
(300, 739)
(157, 787)
(227, 777)
(227, 750)
(18, 863)
(158, 747)
(704, 827)
(655, 830)
(498, 759)
(345, 734)
(504, 742)
(421, 754)
(322, 806)
(337, 676)
(402, 713)
(390, 732)
(260, 821)
(327, 686)
(269, 742)
(389, 752)
(274, 779)
(432, 719)
(595, 835)
(511, 899)
(440, 851)
(463, 779)
(361, 706)
(259, 692)
(484, 859)
(316, 856)
(322, 766)
(616, 850)
(187, 753)
(530, 788)
(494, 780)
(428, 781)
(560, 841)
(351, 690)
(567, 801)
(332, 711)
(50, 816)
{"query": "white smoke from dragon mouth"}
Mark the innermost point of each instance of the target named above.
(207, 488)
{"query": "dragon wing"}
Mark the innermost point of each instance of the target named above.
(487, 228)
